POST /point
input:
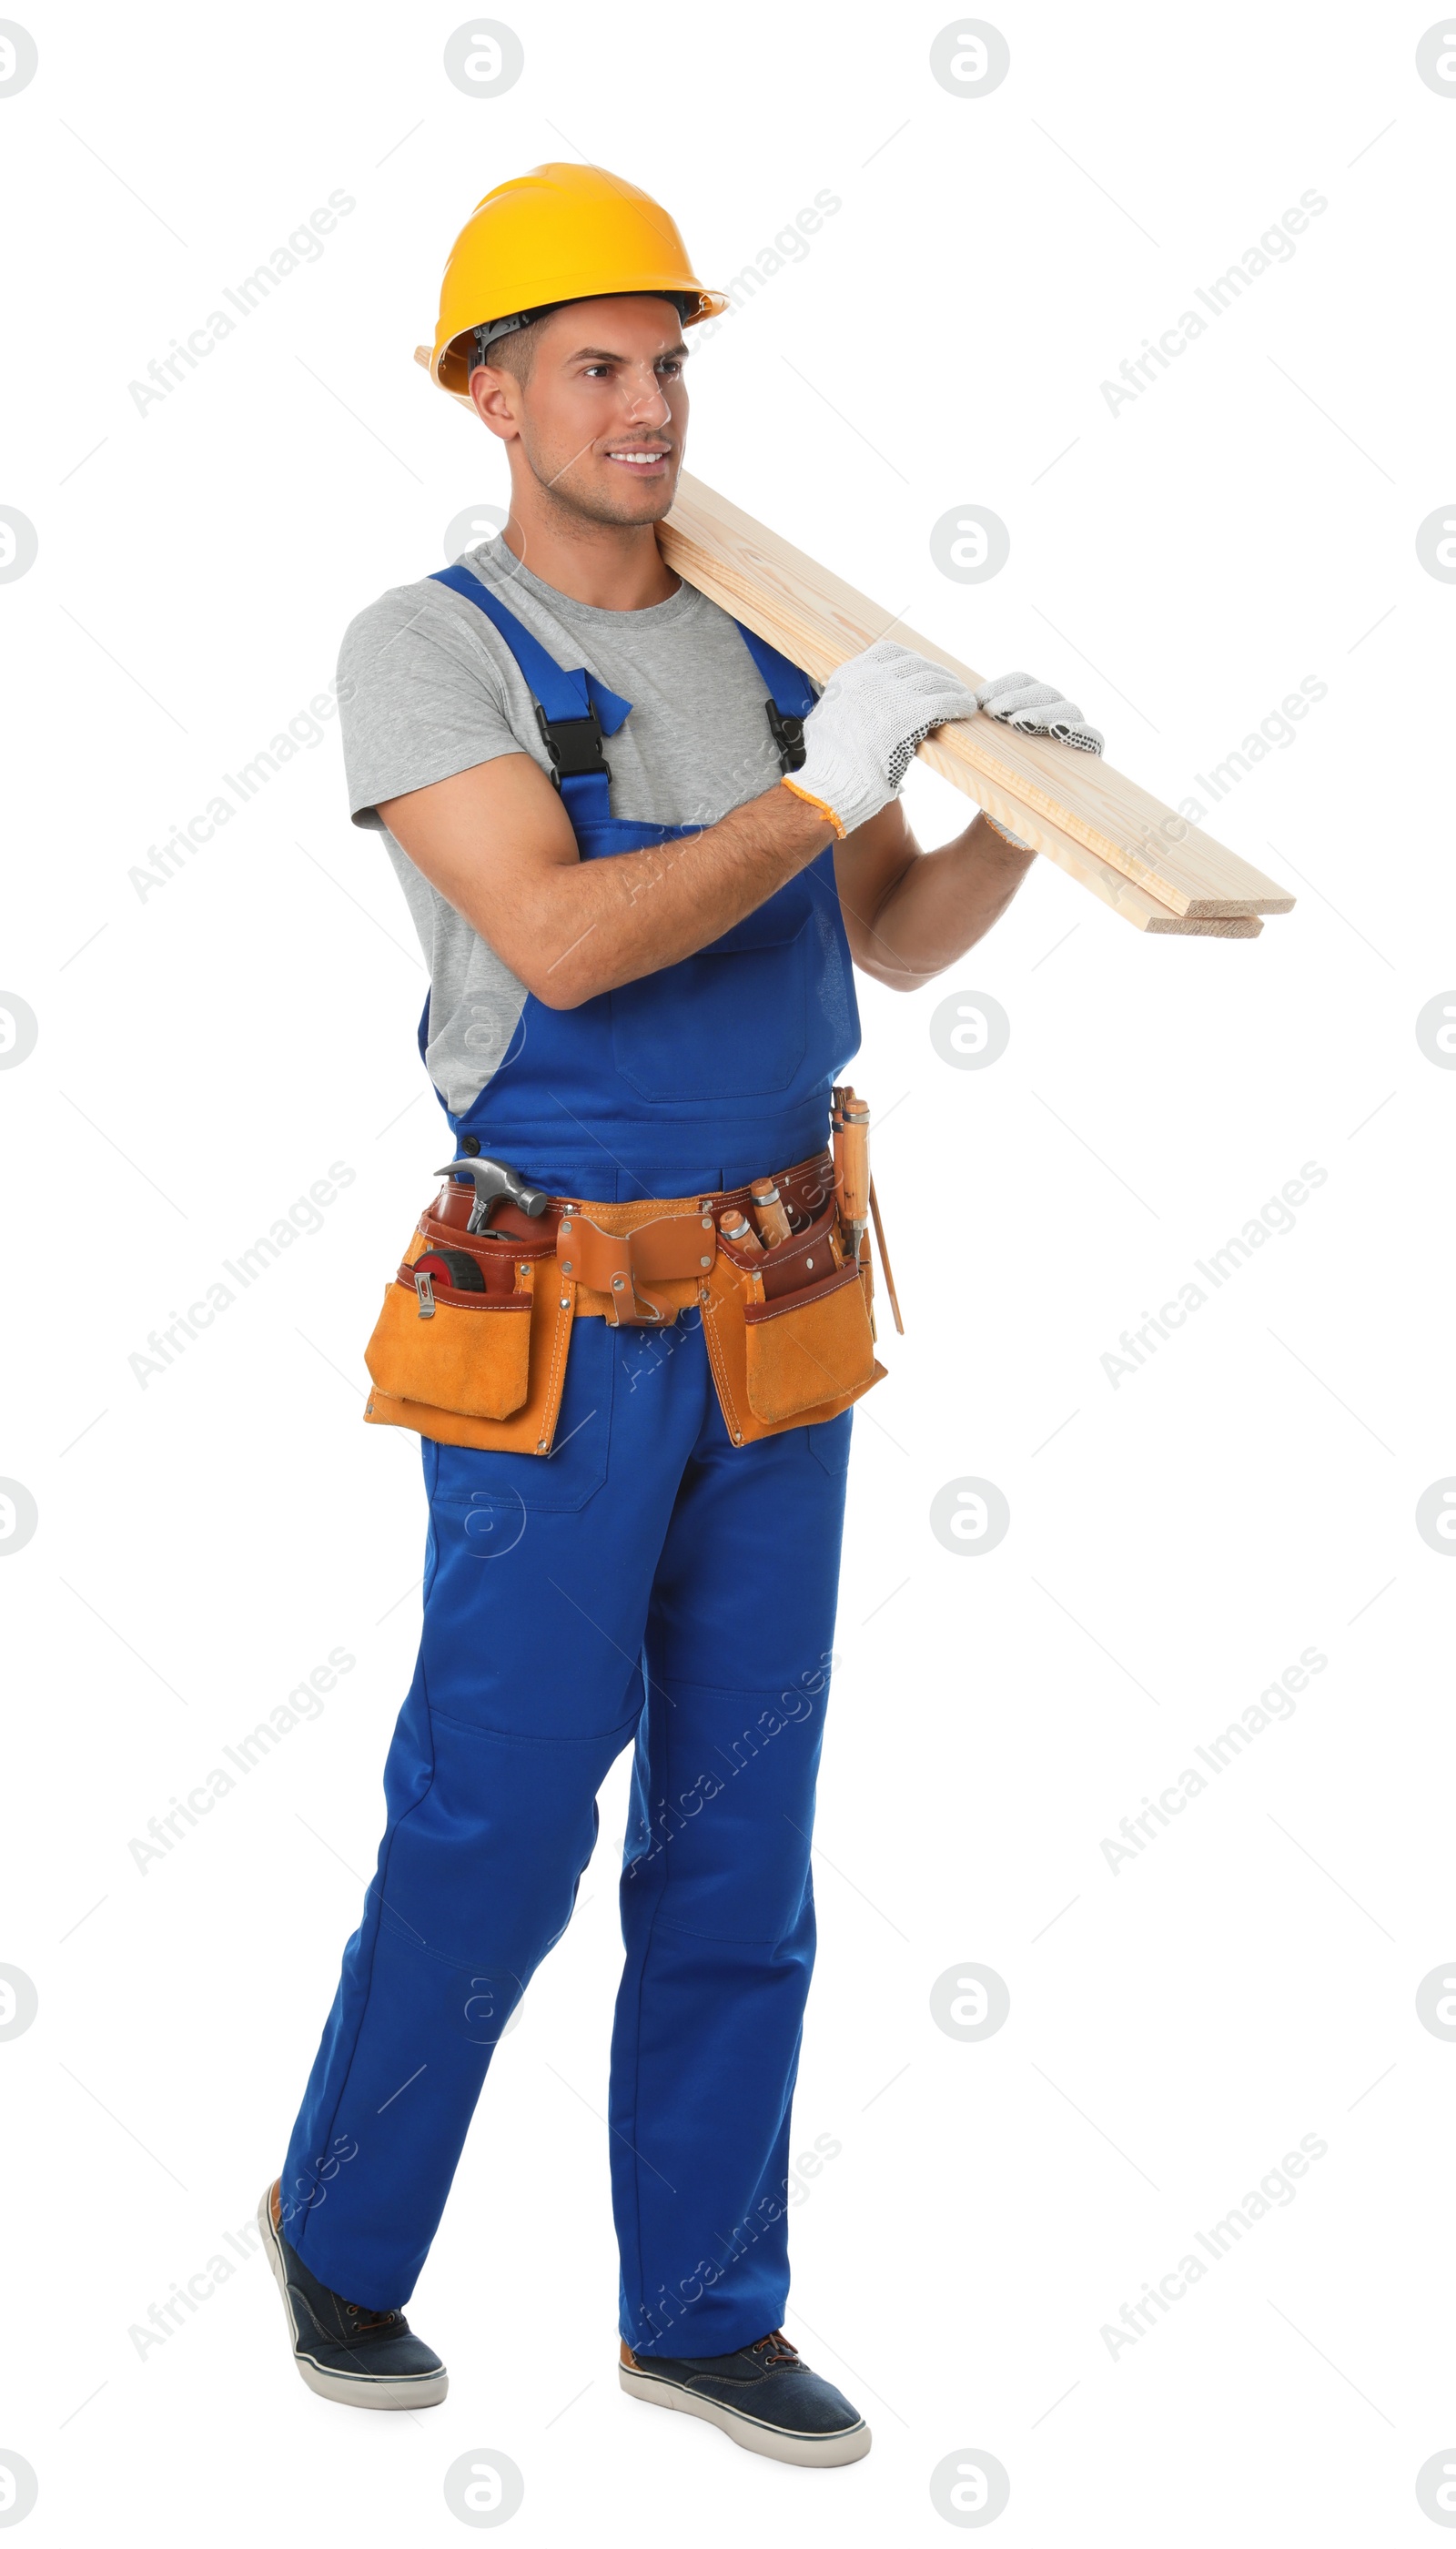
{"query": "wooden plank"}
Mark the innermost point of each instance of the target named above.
(819, 621)
(1108, 884)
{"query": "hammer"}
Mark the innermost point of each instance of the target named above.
(495, 1182)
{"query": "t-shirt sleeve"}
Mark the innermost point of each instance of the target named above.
(419, 700)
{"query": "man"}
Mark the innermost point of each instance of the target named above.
(641, 1000)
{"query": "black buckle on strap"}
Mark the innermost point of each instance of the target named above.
(574, 744)
(788, 735)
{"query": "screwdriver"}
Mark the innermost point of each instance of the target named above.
(852, 1149)
(769, 1214)
(739, 1231)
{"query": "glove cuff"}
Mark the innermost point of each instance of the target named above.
(1014, 838)
(817, 802)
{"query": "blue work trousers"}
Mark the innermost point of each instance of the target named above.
(648, 1584)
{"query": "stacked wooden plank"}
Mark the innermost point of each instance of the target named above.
(1143, 861)
(1139, 858)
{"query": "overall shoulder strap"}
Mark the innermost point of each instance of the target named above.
(573, 709)
(790, 696)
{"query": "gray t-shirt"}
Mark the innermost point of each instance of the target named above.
(427, 688)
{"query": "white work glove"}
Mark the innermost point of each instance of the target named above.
(860, 735)
(1035, 708)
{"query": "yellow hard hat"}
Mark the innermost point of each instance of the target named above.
(561, 233)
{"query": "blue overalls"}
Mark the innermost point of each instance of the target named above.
(648, 1584)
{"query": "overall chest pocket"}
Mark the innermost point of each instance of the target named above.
(731, 1022)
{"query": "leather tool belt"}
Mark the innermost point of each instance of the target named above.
(790, 1328)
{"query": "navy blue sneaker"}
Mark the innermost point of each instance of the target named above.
(365, 2358)
(764, 2397)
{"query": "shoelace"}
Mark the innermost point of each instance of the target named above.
(365, 2321)
(774, 2349)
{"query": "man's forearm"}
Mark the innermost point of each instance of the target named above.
(618, 918)
(606, 921)
(942, 903)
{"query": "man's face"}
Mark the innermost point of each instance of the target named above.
(602, 418)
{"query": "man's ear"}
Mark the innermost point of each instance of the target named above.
(496, 396)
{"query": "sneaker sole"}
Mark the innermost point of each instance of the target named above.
(775, 2442)
(359, 2391)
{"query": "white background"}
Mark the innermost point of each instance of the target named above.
(207, 1051)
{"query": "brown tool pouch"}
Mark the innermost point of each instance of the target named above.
(813, 1345)
(482, 1369)
(789, 1329)
(469, 1350)
(789, 1332)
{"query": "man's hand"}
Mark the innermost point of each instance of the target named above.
(909, 913)
(1036, 709)
(860, 736)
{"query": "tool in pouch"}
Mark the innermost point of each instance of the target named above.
(471, 1343)
(855, 1188)
(493, 1181)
